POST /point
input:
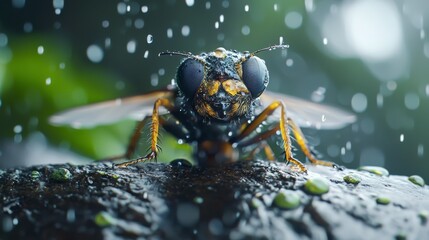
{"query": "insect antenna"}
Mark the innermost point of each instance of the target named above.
(281, 46)
(176, 53)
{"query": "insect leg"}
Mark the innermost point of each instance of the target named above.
(283, 126)
(300, 139)
(164, 102)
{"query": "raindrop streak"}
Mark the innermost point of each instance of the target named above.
(420, 150)
(276, 7)
(149, 38)
(401, 138)
(48, 81)
(154, 80)
(169, 33)
(281, 40)
(208, 5)
(94, 53)
(40, 50)
(380, 100)
(246, 8)
(221, 18)
(216, 24)
(146, 54)
(325, 41)
(186, 30)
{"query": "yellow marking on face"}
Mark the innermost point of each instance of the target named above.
(220, 52)
(234, 86)
(212, 87)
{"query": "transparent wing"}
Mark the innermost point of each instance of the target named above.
(137, 107)
(309, 114)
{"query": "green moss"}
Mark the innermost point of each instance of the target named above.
(376, 170)
(317, 186)
(351, 178)
(104, 219)
(383, 200)
(417, 180)
(287, 199)
(61, 175)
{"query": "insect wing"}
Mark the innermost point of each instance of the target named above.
(309, 114)
(137, 107)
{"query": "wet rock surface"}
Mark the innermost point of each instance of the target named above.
(179, 201)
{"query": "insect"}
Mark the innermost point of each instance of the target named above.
(217, 103)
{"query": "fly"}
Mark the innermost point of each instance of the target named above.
(216, 103)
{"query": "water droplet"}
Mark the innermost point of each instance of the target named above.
(245, 30)
(15, 221)
(145, 9)
(422, 34)
(208, 5)
(401, 137)
(221, 18)
(190, 3)
(121, 8)
(426, 49)
(58, 4)
(323, 118)
(343, 150)
(281, 40)
(318, 95)
(131, 46)
(216, 25)
(180, 141)
(17, 129)
(139, 23)
(48, 81)
(293, 20)
(348, 145)
(71, 215)
(154, 80)
(107, 42)
(392, 85)
(94, 53)
(186, 30)
(146, 54)
(149, 38)
(18, 3)
(28, 27)
(17, 138)
(276, 7)
(325, 41)
(3, 40)
(359, 102)
(309, 5)
(380, 100)
(412, 101)
(246, 8)
(40, 50)
(169, 33)
(289, 62)
(420, 150)
(105, 24)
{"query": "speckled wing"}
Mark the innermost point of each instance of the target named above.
(137, 107)
(309, 114)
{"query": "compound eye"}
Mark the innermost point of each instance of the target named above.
(189, 76)
(255, 75)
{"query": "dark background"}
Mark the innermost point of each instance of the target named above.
(368, 57)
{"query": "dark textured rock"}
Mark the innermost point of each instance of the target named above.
(178, 201)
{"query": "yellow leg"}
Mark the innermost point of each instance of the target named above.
(300, 139)
(165, 102)
(284, 130)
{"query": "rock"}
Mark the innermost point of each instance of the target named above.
(236, 201)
